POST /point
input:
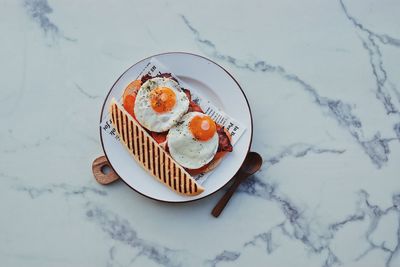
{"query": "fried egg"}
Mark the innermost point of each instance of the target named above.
(193, 141)
(159, 104)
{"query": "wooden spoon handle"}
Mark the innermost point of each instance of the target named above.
(225, 199)
(99, 167)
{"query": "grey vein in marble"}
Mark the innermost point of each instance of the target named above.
(116, 227)
(256, 187)
(300, 150)
(375, 213)
(378, 147)
(36, 144)
(67, 190)
(341, 111)
(384, 38)
(39, 10)
(319, 243)
(265, 238)
(121, 230)
(384, 90)
(383, 93)
(351, 218)
(225, 256)
(395, 91)
(331, 259)
(111, 253)
(8, 176)
(83, 92)
(396, 129)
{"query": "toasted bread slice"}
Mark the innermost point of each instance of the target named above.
(150, 155)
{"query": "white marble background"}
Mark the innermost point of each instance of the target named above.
(323, 80)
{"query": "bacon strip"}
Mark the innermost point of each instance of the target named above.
(162, 75)
(224, 142)
(192, 105)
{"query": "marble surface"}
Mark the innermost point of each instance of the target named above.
(323, 81)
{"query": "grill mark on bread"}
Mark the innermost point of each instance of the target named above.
(140, 146)
(124, 135)
(174, 182)
(145, 151)
(162, 163)
(116, 119)
(179, 180)
(172, 171)
(184, 184)
(190, 186)
(120, 119)
(112, 114)
(167, 172)
(156, 161)
(119, 128)
(173, 176)
(152, 158)
(134, 137)
(144, 148)
(135, 142)
(130, 136)
(164, 166)
(149, 154)
(179, 177)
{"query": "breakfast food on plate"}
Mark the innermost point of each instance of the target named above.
(159, 104)
(164, 120)
(193, 141)
(151, 156)
(198, 143)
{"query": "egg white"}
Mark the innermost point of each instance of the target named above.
(152, 120)
(187, 150)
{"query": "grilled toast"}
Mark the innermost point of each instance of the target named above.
(150, 155)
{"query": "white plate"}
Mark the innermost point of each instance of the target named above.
(213, 82)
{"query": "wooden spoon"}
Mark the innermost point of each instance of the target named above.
(251, 164)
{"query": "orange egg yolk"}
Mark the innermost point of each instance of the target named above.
(162, 99)
(203, 128)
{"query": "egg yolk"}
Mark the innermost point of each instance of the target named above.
(203, 128)
(162, 99)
